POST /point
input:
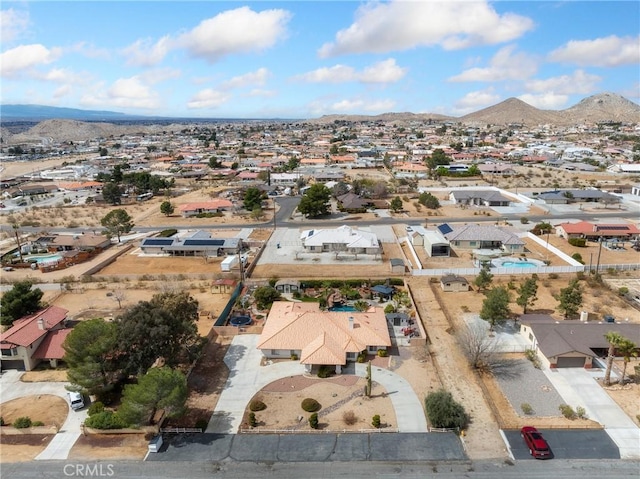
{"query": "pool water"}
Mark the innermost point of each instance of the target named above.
(517, 264)
(48, 259)
(343, 308)
(240, 321)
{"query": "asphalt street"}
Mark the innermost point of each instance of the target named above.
(568, 444)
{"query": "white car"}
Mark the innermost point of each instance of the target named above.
(75, 400)
(409, 229)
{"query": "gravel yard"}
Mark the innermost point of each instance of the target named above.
(522, 383)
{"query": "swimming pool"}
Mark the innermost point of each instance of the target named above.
(240, 321)
(344, 307)
(46, 258)
(517, 263)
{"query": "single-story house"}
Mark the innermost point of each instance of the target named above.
(578, 196)
(215, 206)
(316, 337)
(454, 283)
(352, 203)
(433, 241)
(85, 242)
(223, 285)
(478, 198)
(199, 243)
(496, 169)
(484, 237)
(34, 338)
(287, 285)
(571, 344)
(344, 238)
(593, 231)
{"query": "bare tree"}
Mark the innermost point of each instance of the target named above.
(119, 295)
(480, 349)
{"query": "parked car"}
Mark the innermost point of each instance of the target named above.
(75, 400)
(537, 444)
(409, 229)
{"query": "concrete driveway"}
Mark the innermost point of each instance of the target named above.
(247, 377)
(578, 387)
(63, 441)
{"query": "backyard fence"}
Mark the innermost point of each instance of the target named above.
(258, 430)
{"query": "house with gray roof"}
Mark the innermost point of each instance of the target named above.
(484, 237)
(578, 196)
(478, 198)
(345, 238)
(199, 243)
(571, 344)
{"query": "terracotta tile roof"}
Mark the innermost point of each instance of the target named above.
(324, 337)
(51, 346)
(25, 331)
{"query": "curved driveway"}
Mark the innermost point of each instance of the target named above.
(247, 377)
(63, 441)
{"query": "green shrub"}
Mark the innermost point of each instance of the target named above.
(2, 421)
(577, 257)
(310, 405)
(526, 408)
(253, 422)
(294, 357)
(95, 408)
(325, 371)
(382, 353)
(37, 423)
(443, 411)
(362, 357)
(524, 220)
(257, 405)
(22, 422)
(581, 412)
(313, 421)
(167, 233)
(579, 242)
(296, 295)
(375, 421)
(105, 420)
(623, 291)
(567, 411)
(389, 308)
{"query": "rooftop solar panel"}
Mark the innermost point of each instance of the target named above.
(612, 228)
(204, 242)
(445, 228)
(157, 242)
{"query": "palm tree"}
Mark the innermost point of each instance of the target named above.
(627, 349)
(614, 339)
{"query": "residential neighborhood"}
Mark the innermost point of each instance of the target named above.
(289, 278)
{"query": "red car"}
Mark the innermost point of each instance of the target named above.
(537, 444)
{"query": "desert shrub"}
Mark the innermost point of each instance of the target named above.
(349, 418)
(105, 420)
(37, 423)
(579, 242)
(257, 405)
(531, 355)
(443, 411)
(325, 371)
(362, 357)
(623, 291)
(375, 421)
(202, 424)
(2, 421)
(577, 257)
(524, 220)
(95, 408)
(581, 412)
(313, 421)
(553, 276)
(382, 353)
(526, 408)
(294, 357)
(253, 422)
(22, 422)
(567, 411)
(310, 405)
(167, 233)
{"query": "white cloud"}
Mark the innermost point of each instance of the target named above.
(21, 59)
(256, 78)
(386, 71)
(545, 101)
(123, 93)
(475, 100)
(208, 98)
(144, 53)
(158, 75)
(62, 75)
(402, 25)
(579, 82)
(602, 52)
(236, 31)
(506, 64)
(13, 23)
(352, 107)
(64, 90)
(89, 50)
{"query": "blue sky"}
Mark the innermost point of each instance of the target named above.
(305, 59)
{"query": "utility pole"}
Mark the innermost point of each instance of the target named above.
(15, 230)
(599, 251)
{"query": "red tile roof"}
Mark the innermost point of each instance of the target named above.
(51, 346)
(25, 331)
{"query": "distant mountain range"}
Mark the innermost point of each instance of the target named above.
(72, 124)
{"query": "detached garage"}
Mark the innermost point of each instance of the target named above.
(571, 361)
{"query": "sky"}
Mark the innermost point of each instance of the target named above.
(304, 59)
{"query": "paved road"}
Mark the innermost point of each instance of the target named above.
(556, 469)
(568, 444)
(61, 444)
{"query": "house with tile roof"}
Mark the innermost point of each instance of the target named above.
(34, 338)
(215, 206)
(345, 238)
(316, 337)
(484, 237)
(594, 231)
(564, 344)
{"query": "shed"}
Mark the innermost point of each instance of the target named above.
(452, 282)
(287, 285)
(397, 265)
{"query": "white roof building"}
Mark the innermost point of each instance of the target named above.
(343, 238)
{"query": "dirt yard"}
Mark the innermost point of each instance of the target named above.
(627, 397)
(117, 447)
(23, 448)
(51, 410)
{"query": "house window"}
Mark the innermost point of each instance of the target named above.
(274, 352)
(530, 337)
(472, 243)
(9, 351)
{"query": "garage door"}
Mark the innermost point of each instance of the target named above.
(570, 363)
(12, 364)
